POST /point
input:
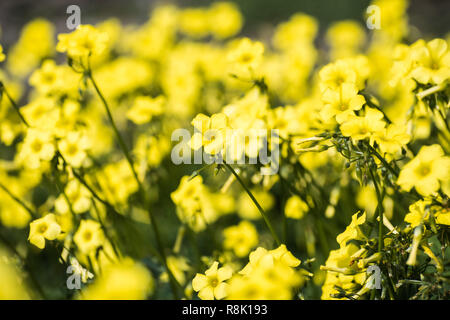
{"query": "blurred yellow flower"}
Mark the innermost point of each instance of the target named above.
(425, 171)
(212, 285)
(240, 238)
(44, 228)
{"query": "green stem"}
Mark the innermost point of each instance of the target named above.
(261, 210)
(30, 211)
(14, 104)
(173, 281)
(380, 212)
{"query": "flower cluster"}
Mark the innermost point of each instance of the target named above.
(352, 122)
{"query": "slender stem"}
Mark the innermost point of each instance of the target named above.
(173, 281)
(14, 104)
(261, 210)
(392, 170)
(380, 212)
(32, 213)
(430, 91)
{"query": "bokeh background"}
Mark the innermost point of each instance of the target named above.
(431, 17)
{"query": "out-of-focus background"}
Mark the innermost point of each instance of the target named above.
(430, 16)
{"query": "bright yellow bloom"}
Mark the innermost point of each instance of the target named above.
(279, 255)
(341, 102)
(13, 287)
(44, 228)
(246, 207)
(342, 271)
(210, 132)
(36, 42)
(345, 38)
(126, 280)
(89, 236)
(268, 275)
(212, 284)
(360, 128)
(419, 212)
(79, 198)
(425, 171)
(245, 57)
(391, 139)
(295, 208)
(194, 22)
(37, 146)
(431, 62)
(352, 232)
(241, 238)
(84, 41)
(225, 19)
(299, 30)
(41, 113)
(195, 204)
(74, 147)
(144, 108)
(333, 75)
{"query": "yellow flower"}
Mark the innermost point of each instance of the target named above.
(178, 265)
(79, 197)
(341, 102)
(144, 108)
(37, 146)
(41, 113)
(44, 228)
(225, 19)
(432, 62)
(241, 238)
(278, 255)
(341, 271)
(246, 207)
(245, 57)
(36, 42)
(73, 148)
(268, 275)
(333, 75)
(345, 38)
(84, 41)
(89, 236)
(212, 284)
(418, 213)
(425, 171)
(210, 132)
(299, 30)
(295, 208)
(360, 128)
(126, 280)
(11, 278)
(443, 217)
(2, 55)
(391, 139)
(194, 203)
(352, 232)
(194, 22)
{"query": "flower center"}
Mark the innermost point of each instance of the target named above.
(213, 282)
(87, 235)
(423, 170)
(42, 228)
